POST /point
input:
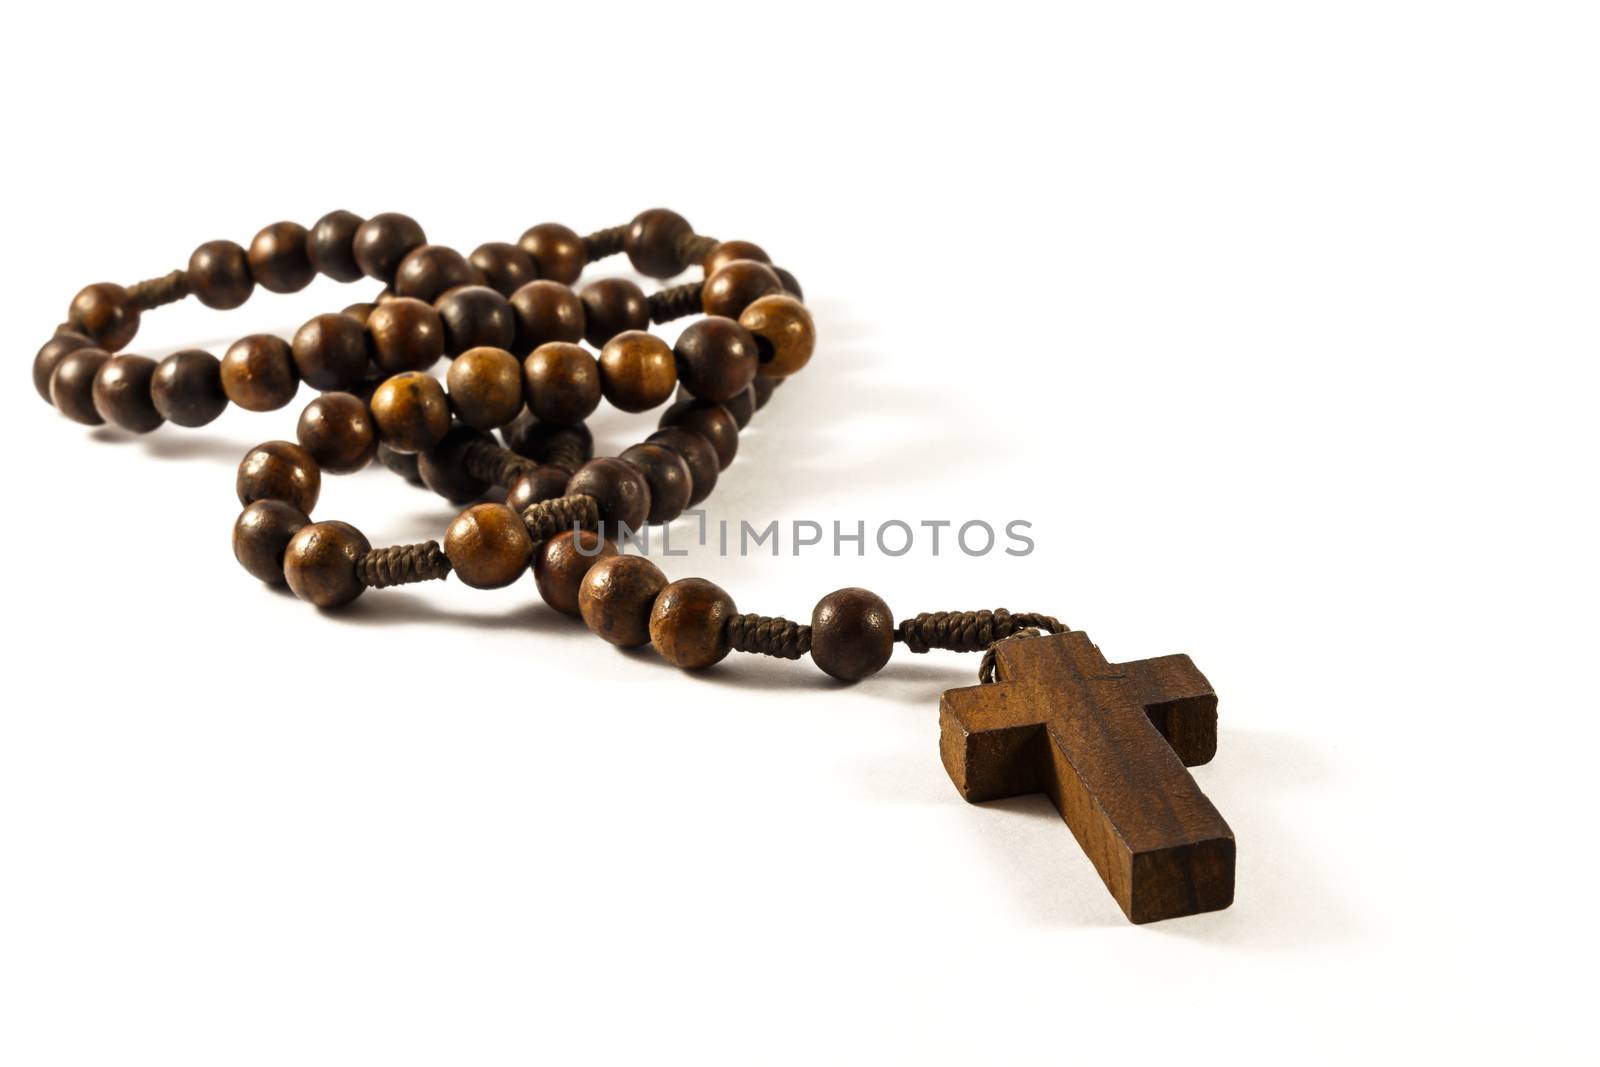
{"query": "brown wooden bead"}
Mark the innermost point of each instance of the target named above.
(791, 284)
(689, 623)
(383, 241)
(44, 363)
(279, 470)
(557, 251)
(709, 420)
(562, 383)
(651, 242)
(763, 388)
(262, 534)
(488, 546)
(72, 384)
(337, 430)
(331, 245)
(187, 388)
(219, 275)
(568, 447)
(258, 372)
(411, 411)
(505, 267)
(784, 332)
(667, 475)
(615, 598)
(742, 407)
(728, 251)
(716, 357)
(852, 634)
(618, 488)
(697, 453)
(428, 272)
(637, 371)
(485, 387)
(610, 306)
(407, 334)
(546, 311)
(320, 563)
(405, 465)
(544, 482)
(736, 286)
(104, 313)
(559, 566)
(121, 393)
(443, 468)
(475, 316)
(332, 352)
(278, 259)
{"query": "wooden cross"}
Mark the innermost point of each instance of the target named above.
(1108, 743)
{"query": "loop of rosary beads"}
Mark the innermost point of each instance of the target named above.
(507, 316)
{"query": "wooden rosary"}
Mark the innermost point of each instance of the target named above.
(1108, 743)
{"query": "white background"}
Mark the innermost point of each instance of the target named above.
(1279, 323)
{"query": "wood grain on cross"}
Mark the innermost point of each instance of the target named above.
(1108, 743)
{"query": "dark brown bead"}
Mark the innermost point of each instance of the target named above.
(784, 333)
(262, 534)
(428, 272)
(258, 372)
(546, 311)
(610, 306)
(741, 407)
(278, 258)
(763, 388)
(331, 245)
(383, 241)
(505, 267)
(279, 470)
(689, 623)
(104, 313)
(569, 447)
(711, 421)
(488, 546)
(736, 286)
(560, 564)
(443, 468)
(728, 251)
(407, 334)
(852, 634)
(717, 358)
(320, 563)
(219, 275)
(615, 598)
(406, 466)
(544, 482)
(652, 242)
(637, 371)
(562, 383)
(667, 475)
(791, 284)
(187, 388)
(556, 250)
(618, 488)
(485, 387)
(121, 393)
(44, 364)
(72, 384)
(697, 453)
(411, 411)
(331, 352)
(476, 316)
(358, 311)
(336, 428)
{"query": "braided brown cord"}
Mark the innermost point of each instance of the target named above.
(769, 636)
(549, 517)
(495, 464)
(675, 302)
(402, 564)
(603, 243)
(154, 292)
(692, 248)
(968, 631)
